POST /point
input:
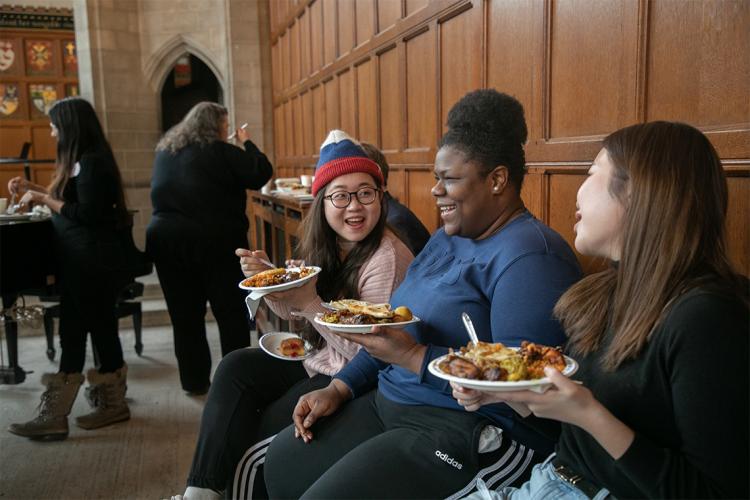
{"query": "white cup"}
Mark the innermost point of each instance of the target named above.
(306, 180)
(3, 205)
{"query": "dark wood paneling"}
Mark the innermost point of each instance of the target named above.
(332, 103)
(421, 92)
(347, 26)
(330, 24)
(391, 101)
(459, 34)
(308, 125)
(699, 69)
(365, 20)
(348, 103)
(316, 35)
(591, 92)
(298, 125)
(294, 49)
(367, 102)
(305, 45)
(413, 6)
(319, 118)
(389, 11)
(738, 229)
(397, 184)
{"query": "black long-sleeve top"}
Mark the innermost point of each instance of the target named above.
(686, 399)
(199, 192)
(90, 212)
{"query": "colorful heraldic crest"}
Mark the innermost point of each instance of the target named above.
(7, 55)
(70, 59)
(8, 99)
(43, 96)
(39, 57)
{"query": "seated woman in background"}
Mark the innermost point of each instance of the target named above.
(198, 191)
(253, 395)
(661, 337)
(492, 259)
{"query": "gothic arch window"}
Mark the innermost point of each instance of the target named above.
(189, 82)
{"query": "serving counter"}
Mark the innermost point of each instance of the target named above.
(275, 221)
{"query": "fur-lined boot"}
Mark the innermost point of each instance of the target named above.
(57, 400)
(106, 395)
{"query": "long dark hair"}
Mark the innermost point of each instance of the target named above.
(318, 245)
(672, 185)
(79, 132)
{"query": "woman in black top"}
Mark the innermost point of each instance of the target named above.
(199, 200)
(89, 215)
(661, 337)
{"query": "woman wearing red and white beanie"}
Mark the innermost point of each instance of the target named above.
(253, 395)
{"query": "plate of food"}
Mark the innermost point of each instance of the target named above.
(286, 346)
(279, 279)
(494, 367)
(358, 316)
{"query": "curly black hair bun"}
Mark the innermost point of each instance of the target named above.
(490, 129)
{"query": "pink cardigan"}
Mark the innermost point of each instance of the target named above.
(378, 278)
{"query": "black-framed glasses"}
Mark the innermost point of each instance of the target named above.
(342, 199)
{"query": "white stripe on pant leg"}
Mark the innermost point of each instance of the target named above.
(509, 478)
(249, 468)
(251, 483)
(507, 469)
(249, 455)
(502, 461)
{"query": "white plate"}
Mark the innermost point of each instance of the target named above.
(11, 217)
(270, 343)
(283, 286)
(337, 327)
(537, 385)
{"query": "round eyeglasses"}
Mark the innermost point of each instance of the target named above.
(342, 199)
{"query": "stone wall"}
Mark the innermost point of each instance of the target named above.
(127, 48)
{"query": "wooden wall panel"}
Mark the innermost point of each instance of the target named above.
(329, 31)
(420, 199)
(347, 25)
(391, 103)
(308, 124)
(278, 132)
(590, 91)
(365, 20)
(294, 50)
(297, 125)
(367, 102)
(11, 138)
(319, 118)
(413, 6)
(460, 62)
(316, 35)
(510, 47)
(738, 228)
(397, 184)
(532, 193)
(389, 11)
(389, 71)
(288, 129)
(348, 103)
(699, 66)
(45, 146)
(332, 103)
(304, 44)
(421, 92)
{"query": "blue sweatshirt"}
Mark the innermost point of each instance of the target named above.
(508, 283)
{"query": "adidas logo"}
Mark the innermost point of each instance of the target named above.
(448, 460)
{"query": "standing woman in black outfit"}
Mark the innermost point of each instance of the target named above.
(88, 205)
(199, 200)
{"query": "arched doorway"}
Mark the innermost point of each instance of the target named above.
(189, 82)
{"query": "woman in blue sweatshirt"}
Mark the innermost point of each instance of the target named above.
(409, 438)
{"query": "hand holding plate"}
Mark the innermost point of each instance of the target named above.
(390, 345)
